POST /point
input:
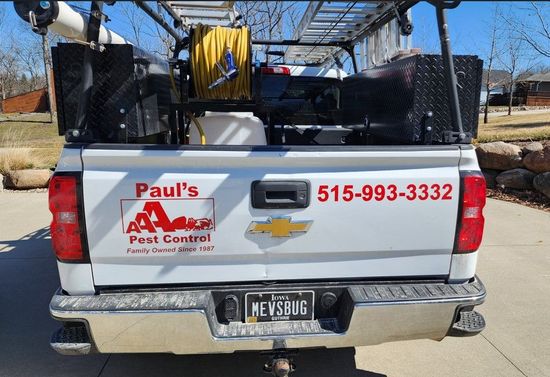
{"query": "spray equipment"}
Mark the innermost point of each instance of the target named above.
(95, 86)
(227, 75)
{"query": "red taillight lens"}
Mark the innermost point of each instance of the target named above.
(470, 226)
(65, 227)
(276, 71)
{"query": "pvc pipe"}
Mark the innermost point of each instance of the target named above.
(73, 25)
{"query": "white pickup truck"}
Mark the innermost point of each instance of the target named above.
(218, 249)
(340, 211)
(204, 249)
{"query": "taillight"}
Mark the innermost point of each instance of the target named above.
(65, 227)
(276, 71)
(471, 221)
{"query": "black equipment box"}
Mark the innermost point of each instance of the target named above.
(397, 97)
(130, 88)
(316, 135)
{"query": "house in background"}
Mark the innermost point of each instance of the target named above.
(536, 89)
(497, 84)
(529, 89)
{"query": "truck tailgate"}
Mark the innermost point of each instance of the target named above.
(159, 215)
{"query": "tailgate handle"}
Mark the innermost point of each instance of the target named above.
(280, 194)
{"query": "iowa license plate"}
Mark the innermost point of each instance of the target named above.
(279, 306)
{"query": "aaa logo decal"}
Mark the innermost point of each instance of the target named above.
(167, 216)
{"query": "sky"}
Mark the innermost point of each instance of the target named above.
(469, 25)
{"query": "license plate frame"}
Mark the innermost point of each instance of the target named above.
(280, 296)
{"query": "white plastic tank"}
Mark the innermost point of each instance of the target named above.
(235, 128)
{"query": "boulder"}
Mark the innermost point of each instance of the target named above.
(490, 177)
(542, 183)
(521, 179)
(538, 161)
(532, 147)
(499, 156)
(1, 183)
(28, 179)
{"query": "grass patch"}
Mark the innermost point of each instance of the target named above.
(516, 127)
(28, 141)
(17, 159)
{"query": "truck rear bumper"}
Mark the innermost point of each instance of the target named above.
(185, 322)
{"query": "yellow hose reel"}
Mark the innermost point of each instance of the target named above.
(208, 46)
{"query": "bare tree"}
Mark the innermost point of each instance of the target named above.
(46, 58)
(510, 60)
(534, 29)
(29, 54)
(153, 37)
(10, 69)
(25, 60)
(268, 20)
(33, 55)
(514, 57)
(2, 57)
(136, 19)
(164, 42)
(490, 59)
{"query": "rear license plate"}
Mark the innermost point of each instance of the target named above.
(279, 306)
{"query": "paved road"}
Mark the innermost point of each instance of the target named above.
(514, 264)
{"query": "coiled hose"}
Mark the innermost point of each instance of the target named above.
(208, 46)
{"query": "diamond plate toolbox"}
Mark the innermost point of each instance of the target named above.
(130, 87)
(396, 97)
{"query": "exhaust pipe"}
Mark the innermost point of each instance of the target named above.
(60, 18)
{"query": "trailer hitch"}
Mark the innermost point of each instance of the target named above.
(281, 362)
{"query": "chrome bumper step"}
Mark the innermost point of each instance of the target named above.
(73, 340)
(469, 323)
(185, 322)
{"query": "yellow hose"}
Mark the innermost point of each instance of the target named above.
(199, 127)
(189, 114)
(208, 47)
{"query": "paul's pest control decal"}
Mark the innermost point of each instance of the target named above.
(168, 220)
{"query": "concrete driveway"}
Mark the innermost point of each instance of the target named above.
(514, 265)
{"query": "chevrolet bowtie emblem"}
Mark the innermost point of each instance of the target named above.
(279, 226)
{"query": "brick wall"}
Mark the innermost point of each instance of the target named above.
(31, 102)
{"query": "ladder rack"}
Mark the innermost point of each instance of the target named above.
(213, 13)
(339, 24)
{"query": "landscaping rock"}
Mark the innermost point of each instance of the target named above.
(542, 183)
(538, 161)
(520, 179)
(1, 183)
(28, 179)
(490, 177)
(499, 156)
(533, 147)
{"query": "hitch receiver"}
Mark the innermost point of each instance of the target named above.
(280, 363)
